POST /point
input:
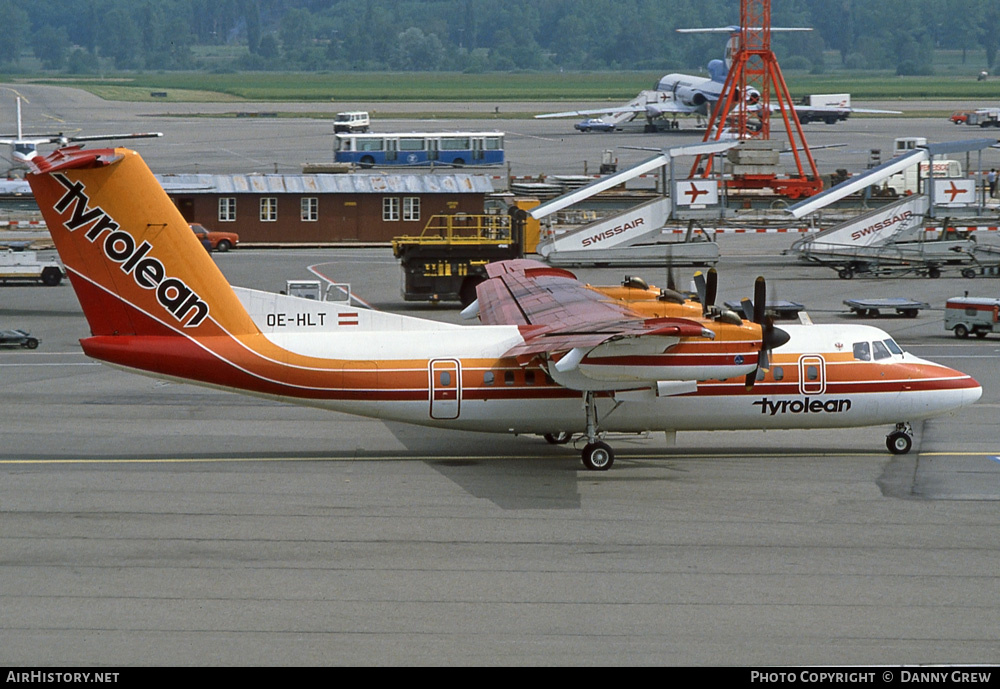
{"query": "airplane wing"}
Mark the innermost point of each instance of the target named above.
(106, 137)
(651, 103)
(809, 109)
(588, 113)
(558, 313)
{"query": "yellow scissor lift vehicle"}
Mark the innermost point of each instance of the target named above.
(448, 259)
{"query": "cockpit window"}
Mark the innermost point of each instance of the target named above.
(862, 352)
(893, 347)
(881, 351)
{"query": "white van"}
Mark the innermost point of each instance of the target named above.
(977, 315)
(351, 122)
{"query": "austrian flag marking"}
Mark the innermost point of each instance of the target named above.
(179, 300)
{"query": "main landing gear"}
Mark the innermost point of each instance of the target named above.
(597, 455)
(900, 440)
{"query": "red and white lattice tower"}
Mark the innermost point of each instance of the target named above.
(753, 91)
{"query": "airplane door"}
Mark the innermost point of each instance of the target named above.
(445, 388)
(812, 374)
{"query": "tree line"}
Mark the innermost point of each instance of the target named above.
(85, 36)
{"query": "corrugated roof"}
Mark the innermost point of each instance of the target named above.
(452, 183)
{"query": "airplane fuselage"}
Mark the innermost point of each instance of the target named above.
(432, 374)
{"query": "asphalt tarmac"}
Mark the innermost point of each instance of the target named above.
(147, 523)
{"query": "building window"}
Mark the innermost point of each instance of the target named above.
(268, 209)
(227, 209)
(390, 208)
(310, 209)
(411, 208)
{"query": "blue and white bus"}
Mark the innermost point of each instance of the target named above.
(454, 149)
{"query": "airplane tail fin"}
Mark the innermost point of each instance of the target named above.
(136, 266)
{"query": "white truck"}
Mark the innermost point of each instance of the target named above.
(984, 117)
(354, 122)
(905, 181)
(972, 315)
(824, 107)
(24, 266)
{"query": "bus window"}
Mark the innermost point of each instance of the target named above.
(452, 143)
(493, 143)
(411, 144)
(369, 144)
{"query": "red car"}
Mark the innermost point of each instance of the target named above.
(959, 117)
(215, 241)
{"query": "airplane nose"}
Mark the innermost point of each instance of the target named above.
(973, 394)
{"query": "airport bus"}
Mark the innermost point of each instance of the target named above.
(420, 148)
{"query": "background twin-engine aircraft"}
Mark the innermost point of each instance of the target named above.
(687, 94)
(551, 356)
(24, 147)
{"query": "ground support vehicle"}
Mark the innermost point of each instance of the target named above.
(354, 121)
(780, 309)
(984, 117)
(448, 259)
(873, 308)
(972, 315)
(24, 266)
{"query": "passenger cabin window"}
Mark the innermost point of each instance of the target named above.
(812, 373)
(880, 350)
(445, 379)
(862, 351)
(508, 378)
(488, 378)
(529, 377)
(778, 373)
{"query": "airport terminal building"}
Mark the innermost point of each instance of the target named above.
(324, 208)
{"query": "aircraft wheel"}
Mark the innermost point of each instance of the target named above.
(558, 438)
(598, 456)
(899, 443)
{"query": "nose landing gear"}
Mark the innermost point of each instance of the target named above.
(900, 440)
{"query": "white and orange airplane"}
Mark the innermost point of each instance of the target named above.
(637, 358)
